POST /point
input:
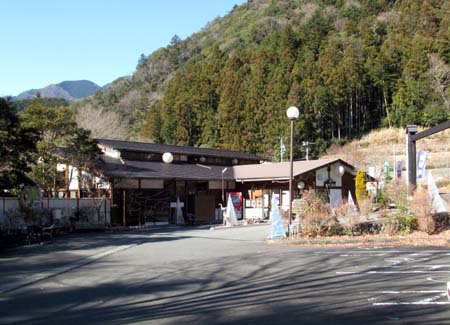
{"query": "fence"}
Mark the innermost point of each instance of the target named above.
(92, 209)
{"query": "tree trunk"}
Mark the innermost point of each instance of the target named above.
(387, 109)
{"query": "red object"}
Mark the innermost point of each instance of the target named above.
(236, 198)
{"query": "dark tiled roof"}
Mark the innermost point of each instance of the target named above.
(281, 170)
(162, 148)
(119, 168)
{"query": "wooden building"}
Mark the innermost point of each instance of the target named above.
(143, 186)
(333, 178)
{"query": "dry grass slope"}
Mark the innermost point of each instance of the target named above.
(380, 145)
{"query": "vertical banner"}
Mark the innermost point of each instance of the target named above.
(236, 198)
(386, 171)
(398, 168)
(422, 156)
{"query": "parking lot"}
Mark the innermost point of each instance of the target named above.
(422, 277)
(202, 276)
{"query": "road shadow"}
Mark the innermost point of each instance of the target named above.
(256, 288)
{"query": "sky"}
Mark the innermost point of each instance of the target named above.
(44, 42)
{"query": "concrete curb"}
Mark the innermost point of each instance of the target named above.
(323, 242)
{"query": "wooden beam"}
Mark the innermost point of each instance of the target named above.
(411, 138)
(431, 131)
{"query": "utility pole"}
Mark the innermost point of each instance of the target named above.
(282, 149)
(306, 144)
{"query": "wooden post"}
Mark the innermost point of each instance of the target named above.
(124, 207)
(411, 130)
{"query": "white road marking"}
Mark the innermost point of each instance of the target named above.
(407, 291)
(411, 303)
(388, 272)
(433, 280)
(401, 262)
(426, 301)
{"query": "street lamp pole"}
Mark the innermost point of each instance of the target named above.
(292, 113)
(223, 187)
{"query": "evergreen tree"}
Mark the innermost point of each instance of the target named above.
(232, 103)
(17, 145)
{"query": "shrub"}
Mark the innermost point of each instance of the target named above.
(406, 224)
(382, 199)
(434, 223)
(317, 219)
(434, 114)
(397, 193)
(420, 206)
(368, 227)
(401, 224)
(390, 227)
(360, 187)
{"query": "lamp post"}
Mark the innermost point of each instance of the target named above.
(223, 190)
(292, 114)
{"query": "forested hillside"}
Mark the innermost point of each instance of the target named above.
(350, 66)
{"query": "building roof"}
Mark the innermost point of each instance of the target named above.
(120, 168)
(281, 171)
(162, 148)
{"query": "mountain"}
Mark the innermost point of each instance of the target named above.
(349, 65)
(68, 90)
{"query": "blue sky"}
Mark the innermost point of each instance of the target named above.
(49, 41)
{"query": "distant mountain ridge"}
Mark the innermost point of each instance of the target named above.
(68, 90)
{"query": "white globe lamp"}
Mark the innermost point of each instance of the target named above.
(292, 113)
(167, 157)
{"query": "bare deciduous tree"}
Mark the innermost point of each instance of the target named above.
(440, 76)
(101, 122)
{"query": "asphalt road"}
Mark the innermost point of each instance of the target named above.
(226, 276)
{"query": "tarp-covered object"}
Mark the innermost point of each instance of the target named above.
(229, 219)
(277, 230)
(437, 203)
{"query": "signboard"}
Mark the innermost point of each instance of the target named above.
(421, 163)
(299, 206)
(236, 199)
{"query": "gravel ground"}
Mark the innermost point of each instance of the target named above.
(417, 238)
